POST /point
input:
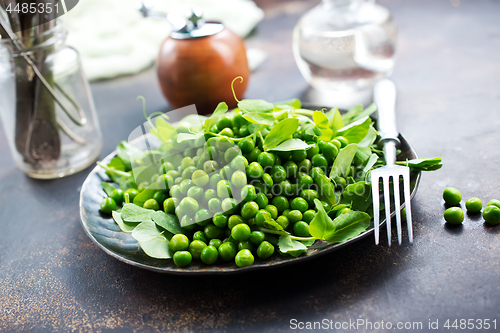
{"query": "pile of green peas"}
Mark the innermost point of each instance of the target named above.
(455, 215)
(224, 187)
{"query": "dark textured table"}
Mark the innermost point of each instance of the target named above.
(53, 278)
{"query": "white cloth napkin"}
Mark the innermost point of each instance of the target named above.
(114, 39)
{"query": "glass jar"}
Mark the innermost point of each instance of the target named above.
(50, 122)
(345, 46)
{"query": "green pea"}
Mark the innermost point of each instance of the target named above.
(265, 250)
(255, 170)
(142, 186)
(196, 247)
(281, 203)
(179, 242)
(227, 132)
(248, 193)
(224, 122)
(188, 222)
(262, 200)
(215, 243)
(166, 167)
(294, 216)
(272, 210)
(223, 143)
(209, 255)
(313, 150)
(200, 236)
(261, 216)
(268, 180)
(330, 151)
(229, 205)
(454, 215)
(239, 163)
(257, 237)
(223, 189)
(185, 185)
(266, 159)
(254, 155)
(132, 193)
(117, 196)
(283, 221)
(163, 182)
(304, 166)
(169, 205)
(234, 220)
(340, 182)
(188, 206)
(299, 155)
(202, 217)
(286, 188)
(299, 204)
(220, 220)
(227, 251)
(226, 172)
(336, 143)
(214, 205)
(214, 180)
(244, 258)
(209, 194)
(239, 179)
(308, 215)
(452, 196)
(151, 204)
(249, 210)
(196, 192)
(182, 258)
(493, 202)
(320, 161)
(246, 244)
(186, 162)
(343, 141)
(278, 173)
(244, 131)
(301, 229)
(491, 215)
(309, 196)
(231, 153)
(200, 178)
(238, 120)
(212, 231)
(108, 205)
(284, 155)
(291, 169)
(210, 166)
(246, 145)
(474, 205)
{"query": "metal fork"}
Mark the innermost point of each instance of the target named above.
(385, 99)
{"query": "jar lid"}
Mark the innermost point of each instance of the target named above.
(195, 26)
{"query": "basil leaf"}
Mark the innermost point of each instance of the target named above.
(356, 131)
(266, 119)
(348, 225)
(321, 225)
(343, 161)
(294, 102)
(108, 188)
(152, 240)
(291, 144)
(322, 122)
(287, 244)
(167, 221)
(216, 115)
(282, 131)
(188, 136)
(255, 105)
(124, 226)
(422, 164)
(326, 189)
(359, 195)
(134, 213)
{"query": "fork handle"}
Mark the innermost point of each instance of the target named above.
(384, 95)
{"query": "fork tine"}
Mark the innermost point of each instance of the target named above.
(376, 207)
(407, 198)
(387, 203)
(397, 205)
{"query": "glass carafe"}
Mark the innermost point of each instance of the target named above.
(342, 47)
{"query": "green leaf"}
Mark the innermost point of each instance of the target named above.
(121, 151)
(359, 195)
(270, 223)
(291, 144)
(348, 117)
(134, 213)
(366, 112)
(343, 161)
(321, 225)
(167, 221)
(370, 138)
(422, 164)
(152, 240)
(117, 164)
(266, 119)
(348, 225)
(164, 130)
(125, 226)
(371, 162)
(282, 131)
(326, 189)
(108, 188)
(181, 137)
(216, 115)
(294, 102)
(322, 122)
(362, 155)
(287, 244)
(335, 120)
(255, 105)
(356, 131)
(145, 195)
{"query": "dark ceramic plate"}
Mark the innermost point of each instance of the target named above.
(108, 236)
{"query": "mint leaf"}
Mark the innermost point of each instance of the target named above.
(291, 144)
(134, 213)
(321, 225)
(282, 131)
(343, 161)
(124, 226)
(348, 225)
(167, 221)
